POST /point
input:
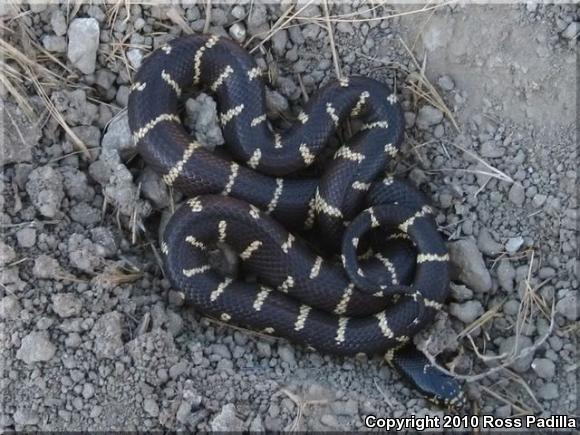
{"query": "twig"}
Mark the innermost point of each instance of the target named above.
(331, 38)
(276, 27)
(432, 96)
(207, 16)
(524, 352)
(56, 115)
(494, 172)
(504, 400)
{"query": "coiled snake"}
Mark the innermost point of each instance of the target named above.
(391, 275)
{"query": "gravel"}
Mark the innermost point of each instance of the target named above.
(202, 119)
(95, 337)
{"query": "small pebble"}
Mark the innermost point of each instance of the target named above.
(26, 237)
(514, 244)
(548, 391)
(446, 83)
(150, 406)
(517, 194)
(506, 275)
(467, 312)
(428, 116)
(544, 368)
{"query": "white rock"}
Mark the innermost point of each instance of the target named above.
(135, 57)
(83, 42)
(238, 32)
(514, 244)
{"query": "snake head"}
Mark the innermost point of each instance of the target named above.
(437, 386)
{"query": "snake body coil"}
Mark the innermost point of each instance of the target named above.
(392, 274)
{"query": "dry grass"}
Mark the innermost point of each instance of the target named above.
(117, 275)
(30, 64)
(176, 18)
(423, 89)
(330, 33)
(301, 404)
(531, 306)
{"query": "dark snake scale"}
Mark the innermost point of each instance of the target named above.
(391, 273)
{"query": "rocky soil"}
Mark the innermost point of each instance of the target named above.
(94, 337)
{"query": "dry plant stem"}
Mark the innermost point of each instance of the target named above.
(496, 173)
(517, 378)
(524, 352)
(482, 320)
(386, 398)
(300, 405)
(432, 95)
(506, 401)
(331, 38)
(177, 19)
(77, 142)
(207, 16)
(340, 18)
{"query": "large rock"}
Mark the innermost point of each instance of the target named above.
(83, 42)
(467, 265)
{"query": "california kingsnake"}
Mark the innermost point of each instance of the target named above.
(392, 275)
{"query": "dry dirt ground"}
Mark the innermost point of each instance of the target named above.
(93, 336)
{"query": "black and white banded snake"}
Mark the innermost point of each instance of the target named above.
(392, 274)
